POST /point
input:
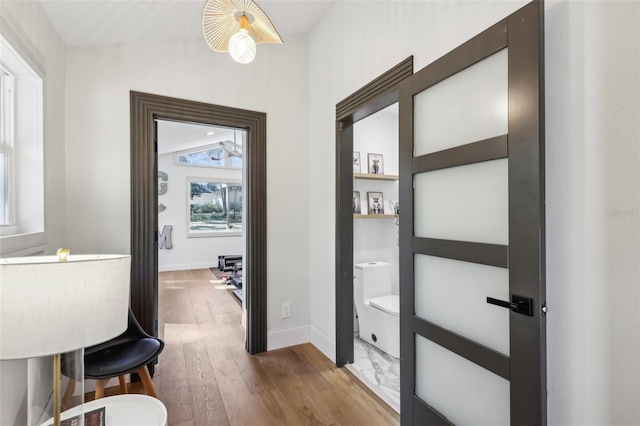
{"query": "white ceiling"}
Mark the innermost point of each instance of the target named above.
(178, 136)
(106, 22)
(113, 22)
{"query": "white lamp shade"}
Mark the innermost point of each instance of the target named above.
(50, 307)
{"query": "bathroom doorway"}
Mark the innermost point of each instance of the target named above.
(376, 324)
(366, 230)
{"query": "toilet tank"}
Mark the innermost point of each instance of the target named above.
(374, 278)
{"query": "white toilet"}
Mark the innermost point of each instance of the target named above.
(378, 310)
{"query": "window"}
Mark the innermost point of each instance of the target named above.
(6, 146)
(222, 154)
(215, 208)
(21, 149)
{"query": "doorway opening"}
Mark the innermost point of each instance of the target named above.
(146, 110)
(375, 254)
(200, 219)
(367, 188)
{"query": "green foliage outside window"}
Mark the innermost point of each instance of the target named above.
(222, 213)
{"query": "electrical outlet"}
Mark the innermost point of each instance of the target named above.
(286, 310)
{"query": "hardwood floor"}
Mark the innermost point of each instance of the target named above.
(205, 377)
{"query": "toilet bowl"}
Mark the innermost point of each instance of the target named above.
(378, 310)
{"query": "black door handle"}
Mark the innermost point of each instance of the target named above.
(519, 304)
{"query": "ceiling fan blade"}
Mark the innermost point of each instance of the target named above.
(233, 150)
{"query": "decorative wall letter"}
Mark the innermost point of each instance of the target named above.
(162, 189)
(164, 239)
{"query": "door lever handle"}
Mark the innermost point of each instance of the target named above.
(519, 304)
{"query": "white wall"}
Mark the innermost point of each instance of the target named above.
(190, 253)
(27, 21)
(593, 211)
(593, 194)
(98, 134)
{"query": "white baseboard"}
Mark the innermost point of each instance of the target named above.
(323, 343)
(184, 267)
(283, 338)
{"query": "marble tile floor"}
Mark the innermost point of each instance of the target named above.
(378, 370)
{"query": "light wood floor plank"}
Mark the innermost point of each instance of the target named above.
(206, 377)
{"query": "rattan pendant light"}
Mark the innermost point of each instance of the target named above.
(237, 26)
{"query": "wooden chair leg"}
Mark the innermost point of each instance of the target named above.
(145, 378)
(123, 384)
(68, 393)
(100, 384)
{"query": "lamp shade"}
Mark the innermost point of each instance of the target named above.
(50, 307)
(220, 21)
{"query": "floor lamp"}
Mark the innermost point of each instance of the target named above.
(50, 305)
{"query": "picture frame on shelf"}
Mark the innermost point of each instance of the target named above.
(357, 209)
(356, 162)
(375, 163)
(375, 203)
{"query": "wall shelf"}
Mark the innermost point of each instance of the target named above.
(374, 177)
(373, 216)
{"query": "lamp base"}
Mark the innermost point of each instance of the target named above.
(57, 377)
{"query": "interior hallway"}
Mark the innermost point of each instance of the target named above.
(205, 376)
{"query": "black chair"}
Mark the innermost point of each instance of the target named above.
(128, 353)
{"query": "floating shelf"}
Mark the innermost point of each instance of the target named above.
(374, 177)
(373, 216)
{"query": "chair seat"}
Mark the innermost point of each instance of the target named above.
(121, 359)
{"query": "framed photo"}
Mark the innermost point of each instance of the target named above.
(356, 162)
(356, 203)
(376, 166)
(375, 202)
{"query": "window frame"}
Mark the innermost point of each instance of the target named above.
(26, 234)
(7, 128)
(219, 233)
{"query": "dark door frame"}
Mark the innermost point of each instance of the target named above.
(524, 256)
(375, 96)
(145, 109)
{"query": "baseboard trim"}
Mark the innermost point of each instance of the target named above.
(167, 268)
(323, 343)
(283, 338)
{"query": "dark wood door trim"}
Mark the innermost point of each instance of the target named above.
(377, 95)
(145, 109)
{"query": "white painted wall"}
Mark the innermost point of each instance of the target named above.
(98, 135)
(593, 194)
(190, 253)
(28, 22)
(593, 211)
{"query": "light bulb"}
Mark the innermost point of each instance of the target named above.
(242, 48)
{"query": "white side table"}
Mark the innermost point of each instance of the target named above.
(123, 410)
